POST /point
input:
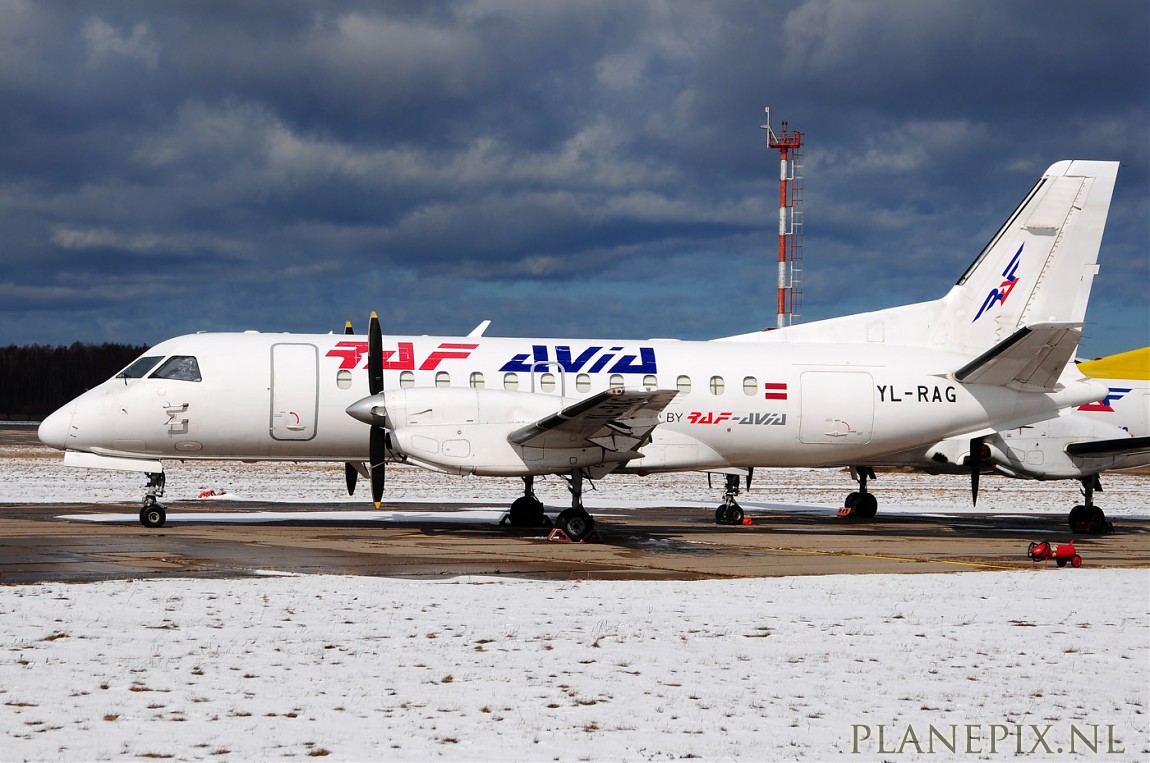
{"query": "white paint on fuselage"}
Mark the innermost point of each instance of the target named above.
(229, 414)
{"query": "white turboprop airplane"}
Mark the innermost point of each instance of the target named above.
(1079, 443)
(992, 354)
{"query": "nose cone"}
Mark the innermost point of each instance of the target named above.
(55, 429)
(369, 410)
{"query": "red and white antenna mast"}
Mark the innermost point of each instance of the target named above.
(789, 145)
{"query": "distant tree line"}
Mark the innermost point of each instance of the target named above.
(37, 379)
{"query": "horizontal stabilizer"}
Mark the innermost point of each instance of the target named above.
(1124, 446)
(1031, 359)
(617, 420)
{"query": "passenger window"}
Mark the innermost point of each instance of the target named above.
(343, 378)
(750, 386)
(511, 381)
(547, 382)
(615, 382)
(476, 380)
(140, 367)
(442, 379)
(583, 383)
(407, 379)
(683, 384)
(717, 385)
(179, 368)
(650, 382)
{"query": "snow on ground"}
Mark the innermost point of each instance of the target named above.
(931, 667)
(483, 669)
(34, 474)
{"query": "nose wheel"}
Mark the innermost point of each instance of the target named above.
(153, 514)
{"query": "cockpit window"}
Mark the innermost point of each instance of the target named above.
(180, 367)
(140, 367)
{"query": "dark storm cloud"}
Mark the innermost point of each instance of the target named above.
(564, 167)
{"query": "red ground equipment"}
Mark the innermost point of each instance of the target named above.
(1061, 555)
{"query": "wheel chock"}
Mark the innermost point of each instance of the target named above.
(846, 511)
(558, 536)
(746, 521)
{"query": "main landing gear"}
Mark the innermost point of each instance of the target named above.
(575, 522)
(729, 511)
(153, 514)
(527, 510)
(860, 503)
(1088, 518)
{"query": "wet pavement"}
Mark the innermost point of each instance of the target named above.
(38, 544)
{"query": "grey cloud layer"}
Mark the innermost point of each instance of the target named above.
(565, 166)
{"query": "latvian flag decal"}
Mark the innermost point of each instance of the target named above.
(775, 391)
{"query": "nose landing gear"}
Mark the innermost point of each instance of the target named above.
(153, 514)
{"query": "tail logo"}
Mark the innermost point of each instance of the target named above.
(1106, 404)
(999, 294)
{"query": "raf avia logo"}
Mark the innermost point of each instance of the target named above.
(591, 360)
(1105, 404)
(998, 295)
(402, 358)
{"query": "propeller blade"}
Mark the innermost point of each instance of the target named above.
(975, 459)
(374, 356)
(350, 476)
(378, 452)
(347, 329)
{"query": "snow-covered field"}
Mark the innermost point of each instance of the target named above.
(1042, 664)
(34, 474)
(483, 669)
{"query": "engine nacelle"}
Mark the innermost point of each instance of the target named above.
(1039, 451)
(464, 431)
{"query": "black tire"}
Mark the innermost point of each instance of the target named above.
(1096, 519)
(852, 500)
(576, 523)
(867, 506)
(153, 516)
(735, 514)
(721, 514)
(526, 511)
(1077, 517)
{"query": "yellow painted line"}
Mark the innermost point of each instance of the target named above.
(816, 552)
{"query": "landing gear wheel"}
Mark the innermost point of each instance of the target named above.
(852, 500)
(527, 511)
(721, 514)
(576, 523)
(1088, 519)
(867, 506)
(735, 515)
(153, 515)
(1077, 517)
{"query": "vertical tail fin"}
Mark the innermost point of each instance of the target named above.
(1039, 266)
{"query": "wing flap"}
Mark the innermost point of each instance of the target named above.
(1030, 360)
(617, 420)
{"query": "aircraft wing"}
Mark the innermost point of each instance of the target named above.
(618, 420)
(1124, 446)
(1030, 359)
